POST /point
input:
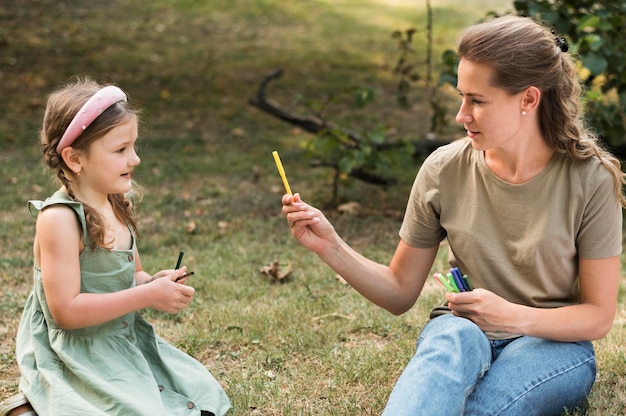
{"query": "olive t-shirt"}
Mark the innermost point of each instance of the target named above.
(520, 241)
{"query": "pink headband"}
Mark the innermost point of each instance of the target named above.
(99, 102)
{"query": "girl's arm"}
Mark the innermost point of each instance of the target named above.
(141, 276)
(591, 319)
(59, 248)
(395, 287)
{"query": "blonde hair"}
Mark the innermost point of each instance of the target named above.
(524, 53)
(61, 108)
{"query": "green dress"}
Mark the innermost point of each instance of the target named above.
(119, 367)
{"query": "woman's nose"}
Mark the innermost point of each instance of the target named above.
(463, 116)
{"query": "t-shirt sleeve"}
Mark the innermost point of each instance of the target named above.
(421, 226)
(600, 234)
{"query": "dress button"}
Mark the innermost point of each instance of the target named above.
(130, 257)
(160, 388)
(124, 324)
(190, 405)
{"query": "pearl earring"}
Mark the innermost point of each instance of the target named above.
(523, 113)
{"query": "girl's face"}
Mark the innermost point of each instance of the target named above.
(110, 160)
(491, 116)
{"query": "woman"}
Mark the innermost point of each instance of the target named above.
(531, 206)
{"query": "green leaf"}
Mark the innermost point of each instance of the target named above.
(345, 165)
(376, 136)
(364, 96)
(594, 41)
(595, 63)
(588, 22)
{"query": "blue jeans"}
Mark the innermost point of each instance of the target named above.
(456, 370)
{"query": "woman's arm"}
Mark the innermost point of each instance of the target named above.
(395, 287)
(59, 248)
(591, 319)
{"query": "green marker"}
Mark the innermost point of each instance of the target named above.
(467, 282)
(180, 259)
(442, 279)
(452, 283)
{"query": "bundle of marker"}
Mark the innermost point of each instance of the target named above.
(454, 281)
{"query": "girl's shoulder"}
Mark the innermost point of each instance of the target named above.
(58, 223)
(58, 211)
(58, 198)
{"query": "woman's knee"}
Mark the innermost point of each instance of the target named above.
(454, 329)
(458, 339)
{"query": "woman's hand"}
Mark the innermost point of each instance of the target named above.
(308, 224)
(588, 320)
(486, 309)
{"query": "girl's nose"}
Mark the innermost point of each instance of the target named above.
(135, 160)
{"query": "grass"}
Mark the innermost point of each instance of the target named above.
(309, 345)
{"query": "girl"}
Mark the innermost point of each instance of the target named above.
(531, 207)
(82, 347)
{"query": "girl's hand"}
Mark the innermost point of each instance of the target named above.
(170, 296)
(308, 224)
(159, 274)
(486, 309)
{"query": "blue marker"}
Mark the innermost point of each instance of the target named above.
(458, 278)
(467, 283)
(463, 277)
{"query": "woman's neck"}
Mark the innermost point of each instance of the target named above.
(521, 164)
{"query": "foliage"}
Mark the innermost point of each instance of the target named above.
(597, 30)
(405, 66)
(370, 156)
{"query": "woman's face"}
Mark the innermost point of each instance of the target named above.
(491, 116)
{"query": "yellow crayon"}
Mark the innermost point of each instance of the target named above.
(281, 171)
